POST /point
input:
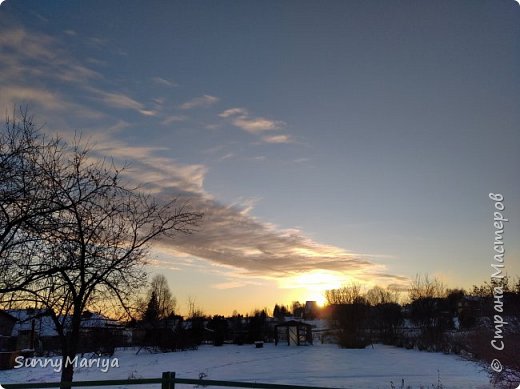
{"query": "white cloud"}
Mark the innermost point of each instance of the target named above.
(164, 82)
(233, 112)
(199, 102)
(239, 117)
(119, 100)
(52, 102)
(226, 156)
(229, 235)
(277, 139)
(257, 125)
(233, 284)
(172, 119)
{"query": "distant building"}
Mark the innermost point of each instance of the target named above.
(311, 310)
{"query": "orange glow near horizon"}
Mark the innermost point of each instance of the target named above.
(312, 285)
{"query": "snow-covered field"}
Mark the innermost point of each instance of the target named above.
(319, 365)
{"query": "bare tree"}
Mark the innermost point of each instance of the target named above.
(429, 309)
(93, 244)
(193, 310)
(378, 295)
(26, 199)
(424, 287)
(165, 300)
(345, 295)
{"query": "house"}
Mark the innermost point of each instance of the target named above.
(34, 330)
(102, 335)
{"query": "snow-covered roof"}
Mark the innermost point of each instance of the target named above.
(44, 325)
(97, 320)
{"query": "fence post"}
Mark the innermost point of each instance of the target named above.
(168, 380)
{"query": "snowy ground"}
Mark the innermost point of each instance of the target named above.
(320, 365)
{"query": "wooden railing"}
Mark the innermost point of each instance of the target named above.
(167, 381)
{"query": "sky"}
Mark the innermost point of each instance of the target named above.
(327, 143)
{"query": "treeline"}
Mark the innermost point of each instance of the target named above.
(431, 317)
(157, 327)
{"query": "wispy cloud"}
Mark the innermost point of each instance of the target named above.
(164, 82)
(199, 102)
(277, 139)
(226, 156)
(233, 284)
(229, 235)
(157, 174)
(172, 119)
(232, 112)
(119, 100)
(35, 61)
(24, 94)
(257, 125)
(240, 117)
(51, 102)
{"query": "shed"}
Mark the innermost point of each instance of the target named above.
(293, 332)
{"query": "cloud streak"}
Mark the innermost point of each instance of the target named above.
(240, 118)
(164, 82)
(199, 102)
(119, 100)
(257, 125)
(277, 139)
(230, 236)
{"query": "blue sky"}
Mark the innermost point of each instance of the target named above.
(326, 142)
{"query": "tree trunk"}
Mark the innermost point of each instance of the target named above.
(67, 371)
(69, 352)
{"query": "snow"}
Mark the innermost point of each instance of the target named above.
(318, 365)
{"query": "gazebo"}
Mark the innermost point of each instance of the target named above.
(293, 332)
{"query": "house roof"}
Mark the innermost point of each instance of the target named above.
(42, 321)
(44, 324)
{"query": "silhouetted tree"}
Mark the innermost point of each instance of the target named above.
(151, 315)
(350, 322)
(378, 295)
(387, 318)
(257, 326)
(26, 200)
(166, 302)
(219, 326)
(298, 309)
(92, 239)
(345, 295)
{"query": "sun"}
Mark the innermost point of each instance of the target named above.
(312, 285)
(319, 298)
